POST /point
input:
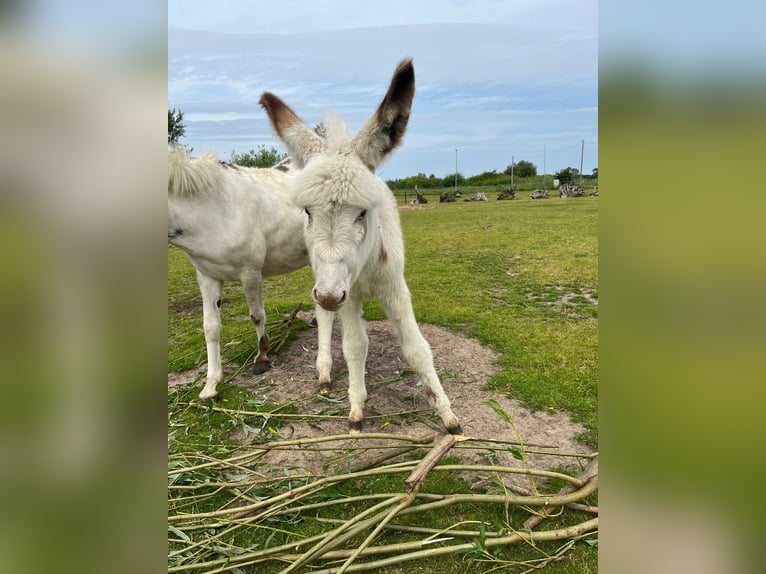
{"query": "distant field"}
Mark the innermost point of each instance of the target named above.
(522, 187)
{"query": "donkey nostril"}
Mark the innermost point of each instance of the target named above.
(342, 298)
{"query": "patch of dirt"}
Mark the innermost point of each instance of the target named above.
(586, 294)
(464, 366)
(188, 308)
(185, 377)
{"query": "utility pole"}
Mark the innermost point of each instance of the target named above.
(455, 169)
(512, 172)
(582, 152)
(545, 180)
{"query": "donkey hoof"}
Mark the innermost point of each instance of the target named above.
(261, 367)
(354, 427)
(325, 388)
(207, 394)
(456, 430)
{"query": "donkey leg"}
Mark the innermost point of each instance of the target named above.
(355, 345)
(324, 354)
(417, 353)
(211, 321)
(253, 285)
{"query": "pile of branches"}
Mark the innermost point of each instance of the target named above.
(539, 194)
(570, 190)
(419, 198)
(507, 193)
(449, 196)
(228, 512)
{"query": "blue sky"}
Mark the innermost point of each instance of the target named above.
(495, 79)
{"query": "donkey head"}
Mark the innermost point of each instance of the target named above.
(338, 188)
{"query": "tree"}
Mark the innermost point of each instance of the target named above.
(567, 175)
(595, 173)
(449, 180)
(522, 168)
(176, 127)
(263, 157)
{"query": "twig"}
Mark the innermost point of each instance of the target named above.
(325, 544)
(289, 325)
(590, 472)
(383, 458)
(417, 477)
(367, 541)
(433, 532)
(514, 443)
(258, 451)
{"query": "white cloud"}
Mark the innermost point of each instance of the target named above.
(486, 72)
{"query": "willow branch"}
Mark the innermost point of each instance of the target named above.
(326, 543)
(590, 472)
(543, 536)
(418, 476)
(258, 451)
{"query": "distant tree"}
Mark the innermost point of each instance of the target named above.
(449, 180)
(486, 178)
(522, 168)
(567, 175)
(595, 173)
(263, 157)
(176, 127)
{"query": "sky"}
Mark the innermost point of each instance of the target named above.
(496, 80)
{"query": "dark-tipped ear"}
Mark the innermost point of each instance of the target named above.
(384, 131)
(301, 141)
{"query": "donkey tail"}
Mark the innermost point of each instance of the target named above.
(189, 178)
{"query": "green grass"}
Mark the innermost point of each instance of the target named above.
(520, 276)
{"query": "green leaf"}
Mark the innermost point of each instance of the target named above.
(495, 406)
(180, 533)
(515, 452)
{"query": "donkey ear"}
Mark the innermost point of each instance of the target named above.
(301, 141)
(384, 131)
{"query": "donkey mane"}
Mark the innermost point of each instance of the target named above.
(190, 178)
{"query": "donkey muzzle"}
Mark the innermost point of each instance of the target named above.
(328, 300)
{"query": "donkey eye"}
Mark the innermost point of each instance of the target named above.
(360, 217)
(307, 212)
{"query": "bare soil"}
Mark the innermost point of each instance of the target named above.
(464, 366)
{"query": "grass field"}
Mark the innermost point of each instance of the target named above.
(519, 276)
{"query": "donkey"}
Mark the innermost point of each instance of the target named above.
(354, 236)
(235, 224)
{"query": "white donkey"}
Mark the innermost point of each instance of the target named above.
(354, 236)
(235, 224)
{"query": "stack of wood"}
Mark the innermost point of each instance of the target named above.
(448, 196)
(507, 193)
(569, 190)
(539, 194)
(419, 199)
(479, 196)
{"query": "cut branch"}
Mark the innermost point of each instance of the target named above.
(417, 477)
